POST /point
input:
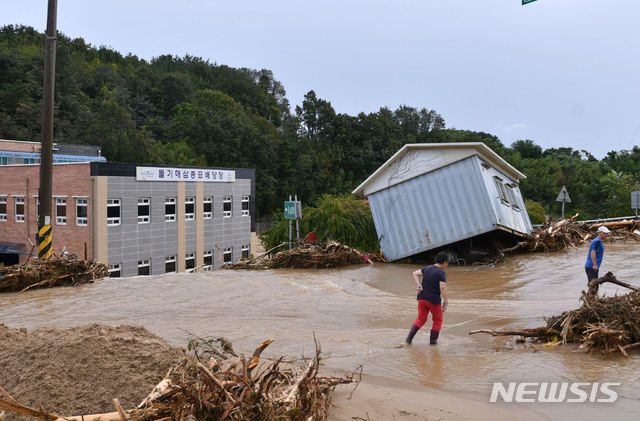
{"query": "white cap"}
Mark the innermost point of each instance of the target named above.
(604, 229)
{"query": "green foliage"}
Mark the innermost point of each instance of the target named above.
(180, 153)
(344, 219)
(536, 211)
(617, 188)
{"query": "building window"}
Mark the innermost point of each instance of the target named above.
(513, 198)
(113, 212)
(502, 191)
(3, 208)
(81, 212)
(190, 261)
(19, 209)
(227, 256)
(144, 210)
(170, 209)
(61, 211)
(208, 260)
(144, 267)
(207, 206)
(170, 264)
(226, 206)
(245, 205)
(245, 252)
(115, 271)
(190, 208)
(37, 209)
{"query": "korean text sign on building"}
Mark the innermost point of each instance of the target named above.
(184, 174)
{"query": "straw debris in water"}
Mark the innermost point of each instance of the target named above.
(605, 324)
(566, 233)
(55, 271)
(307, 256)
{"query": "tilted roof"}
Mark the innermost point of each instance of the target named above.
(429, 157)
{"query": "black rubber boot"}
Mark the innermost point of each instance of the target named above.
(434, 337)
(412, 333)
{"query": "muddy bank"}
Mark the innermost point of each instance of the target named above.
(82, 369)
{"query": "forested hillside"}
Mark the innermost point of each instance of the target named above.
(188, 111)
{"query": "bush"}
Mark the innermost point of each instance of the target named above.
(344, 219)
(536, 211)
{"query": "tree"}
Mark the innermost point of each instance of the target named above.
(618, 188)
(527, 149)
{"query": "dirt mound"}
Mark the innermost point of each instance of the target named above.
(80, 370)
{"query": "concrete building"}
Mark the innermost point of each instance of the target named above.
(138, 219)
(428, 196)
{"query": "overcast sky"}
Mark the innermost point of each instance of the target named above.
(563, 73)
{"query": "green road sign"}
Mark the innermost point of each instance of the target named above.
(527, 1)
(290, 210)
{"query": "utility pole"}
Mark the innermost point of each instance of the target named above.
(44, 236)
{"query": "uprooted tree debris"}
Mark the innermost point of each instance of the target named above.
(558, 235)
(308, 256)
(605, 324)
(215, 383)
(55, 271)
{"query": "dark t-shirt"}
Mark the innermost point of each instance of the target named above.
(431, 278)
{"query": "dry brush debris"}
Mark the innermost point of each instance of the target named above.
(55, 271)
(605, 324)
(558, 235)
(308, 256)
(213, 382)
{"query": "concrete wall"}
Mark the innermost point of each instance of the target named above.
(132, 241)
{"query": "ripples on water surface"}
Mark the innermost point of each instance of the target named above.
(360, 314)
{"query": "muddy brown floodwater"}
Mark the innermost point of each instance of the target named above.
(360, 314)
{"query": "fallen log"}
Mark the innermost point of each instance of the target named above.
(621, 348)
(594, 285)
(613, 224)
(25, 410)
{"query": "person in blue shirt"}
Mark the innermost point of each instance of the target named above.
(596, 252)
(432, 297)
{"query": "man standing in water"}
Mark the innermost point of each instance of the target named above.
(596, 252)
(432, 297)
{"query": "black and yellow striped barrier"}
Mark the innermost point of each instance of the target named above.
(44, 242)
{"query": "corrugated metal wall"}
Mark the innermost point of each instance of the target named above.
(437, 208)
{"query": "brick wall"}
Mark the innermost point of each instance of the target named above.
(69, 181)
(17, 146)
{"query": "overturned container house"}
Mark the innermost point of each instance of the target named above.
(460, 196)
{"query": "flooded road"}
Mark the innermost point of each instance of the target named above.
(360, 314)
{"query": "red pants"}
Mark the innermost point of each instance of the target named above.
(424, 307)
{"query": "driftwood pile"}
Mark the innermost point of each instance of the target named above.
(307, 256)
(214, 383)
(605, 324)
(55, 271)
(559, 235)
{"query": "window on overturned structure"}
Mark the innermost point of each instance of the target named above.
(502, 191)
(513, 197)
